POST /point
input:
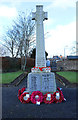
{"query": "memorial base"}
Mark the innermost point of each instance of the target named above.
(44, 82)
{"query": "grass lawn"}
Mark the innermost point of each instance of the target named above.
(71, 76)
(9, 77)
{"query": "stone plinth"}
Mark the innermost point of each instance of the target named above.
(44, 82)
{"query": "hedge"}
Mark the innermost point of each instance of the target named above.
(13, 64)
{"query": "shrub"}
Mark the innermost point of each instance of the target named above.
(13, 64)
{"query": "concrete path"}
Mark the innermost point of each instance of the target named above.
(13, 108)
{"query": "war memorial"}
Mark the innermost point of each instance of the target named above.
(41, 83)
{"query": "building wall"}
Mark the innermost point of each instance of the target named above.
(68, 65)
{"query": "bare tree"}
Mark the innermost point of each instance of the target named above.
(2, 51)
(9, 39)
(27, 33)
(19, 37)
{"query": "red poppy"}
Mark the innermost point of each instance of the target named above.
(25, 97)
(36, 96)
(58, 96)
(48, 98)
(20, 92)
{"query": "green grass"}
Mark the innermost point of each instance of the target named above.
(71, 76)
(9, 77)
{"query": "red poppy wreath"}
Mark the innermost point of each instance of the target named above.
(37, 97)
(58, 96)
(48, 98)
(20, 92)
(25, 97)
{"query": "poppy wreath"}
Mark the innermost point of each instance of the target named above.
(41, 69)
(61, 97)
(20, 92)
(25, 97)
(36, 96)
(47, 99)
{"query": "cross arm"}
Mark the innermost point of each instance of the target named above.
(45, 16)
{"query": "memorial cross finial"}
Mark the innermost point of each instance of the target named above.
(39, 16)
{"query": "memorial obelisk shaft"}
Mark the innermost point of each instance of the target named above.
(39, 16)
(40, 79)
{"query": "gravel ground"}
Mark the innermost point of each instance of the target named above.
(13, 108)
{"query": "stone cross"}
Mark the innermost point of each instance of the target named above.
(39, 16)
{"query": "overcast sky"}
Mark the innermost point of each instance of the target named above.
(60, 26)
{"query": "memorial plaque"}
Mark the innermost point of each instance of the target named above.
(44, 82)
(48, 82)
(34, 82)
